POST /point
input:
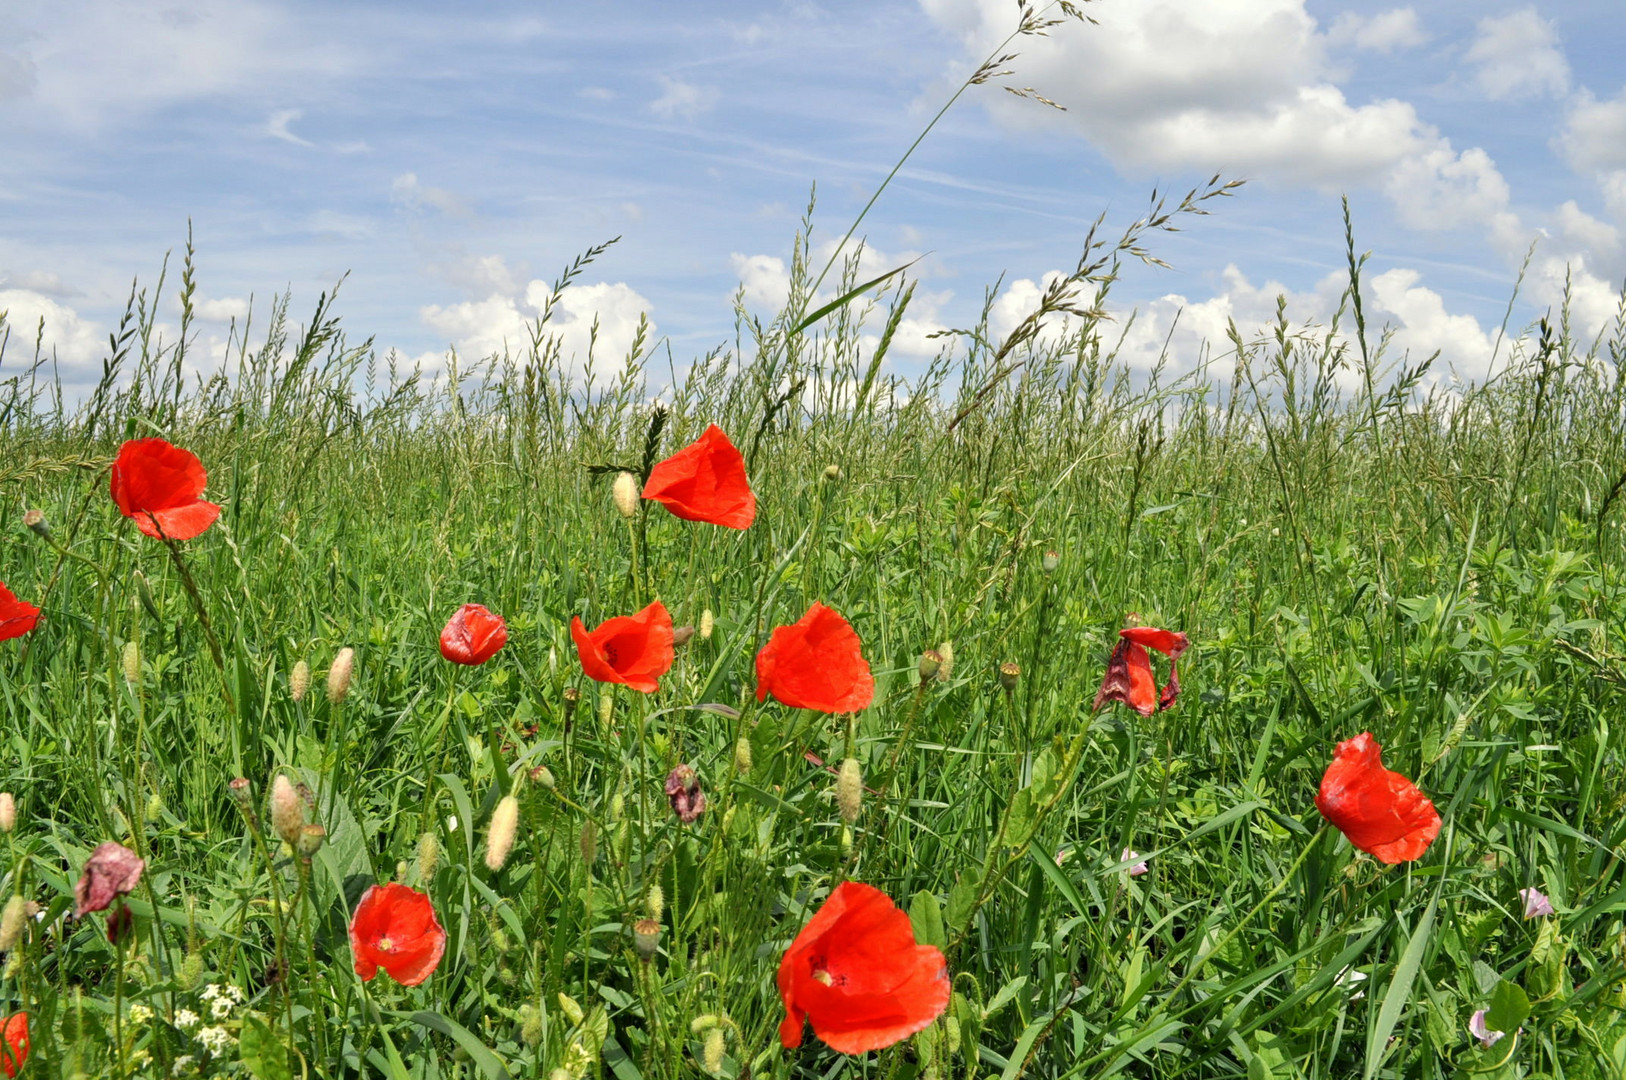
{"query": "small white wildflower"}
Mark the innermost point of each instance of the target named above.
(216, 1040)
(182, 1064)
(186, 1019)
(235, 993)
(139, 1013)
(210, 992)
(220, 1008)
(141, 1059)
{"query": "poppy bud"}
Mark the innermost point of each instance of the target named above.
(530, 1026)
(119, 924)
(287, 809)
(945, 666)
(832, 473)
(542, 776)
(572, 698)
(655, 902)
(130, 661)
(500, 837)
(13, 922)
(625, 493)
(310, 841)
(8, 812)
(428, 855)
(931, 661)
(1049, 561)
(35, 520)
(742, 755)
(849, 790)
(711, 1053)
(707, 623)
(144, 592)
(606, 709)
(339, 675)
(155, 806)
(704, 1022)
(681, 636)
(589, 842)
(1009, 672)
(299, 681)
(683, 792)
(402, 869)
(646, 938)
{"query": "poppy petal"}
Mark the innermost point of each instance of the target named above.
(633, 650)
(17, 617)
(1129, 679)
(473, 635)
(160, 487)
(705, 481)
(816, 663)
(1170, 643)
(395, 928)
(1380, 811)
(179, 522)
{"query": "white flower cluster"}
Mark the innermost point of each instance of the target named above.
(186, 1019)
(139, 1013)
(183, 1063)
(222, 998)
(216, 1040)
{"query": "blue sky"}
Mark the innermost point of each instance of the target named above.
(452, 158)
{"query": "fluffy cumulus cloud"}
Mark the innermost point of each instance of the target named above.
(502, 323)
(74, 342)
(1247, 86)
(1381, 32)
(1593, 140)
(1517, 55)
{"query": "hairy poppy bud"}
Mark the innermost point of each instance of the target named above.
(8, 812)
(542, 777)
(742, 755)
(144, 593)
(310, 841)
(655, 902)
(500, 837)
(35, 520)
(340, 674)
(711, 1052)
(299, 681)
(1049, 561)
(708, 622)
(850, 790)
(832, 472)
(428, 856)
(13, 922)
(589, 842)
(681, 636)
(606, 708)
(130, 661)
(530, 1026)
(646, 938)
(287, 809)
(945, 665)
(931, 661)
(1009, 672)
(625, 493)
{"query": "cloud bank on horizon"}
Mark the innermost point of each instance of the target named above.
(450, 164)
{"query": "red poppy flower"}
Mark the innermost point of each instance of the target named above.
(13, 1043)
(633, 650)
(705, 481)
(17, 617)
(473, 635)
(1129, 670)
(161, 486)
(857, 973)
(112, 870)
(817, 662)
(395, 928)
(1380, 811)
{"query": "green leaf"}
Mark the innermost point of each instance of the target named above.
(961, 900)
(1399, 992)
(1544, 974)
(1006, 993)
(261, 1052)
(927, 919)
(479, 1054)
(847, 297)
(1509, 1006)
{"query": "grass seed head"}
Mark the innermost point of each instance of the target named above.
(428, 856)
(500, 837)
(340, 674)
(299, 681)
(8, 811)
(711, 1053)
(130, 661)
(945, 665)
(625, 492)
(287, 809)
(12, 922)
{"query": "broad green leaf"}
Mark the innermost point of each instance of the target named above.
(1509, 1007)
(927, 919)
(960, 901)
(261, 1052)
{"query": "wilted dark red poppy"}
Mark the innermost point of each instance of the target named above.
(17, 617)
(160, 487)
(1129, 670)
(857, 973)
(705, 481)
(1380, 811)
(112, 870)
(633, 650)
(395, 928)
(817, 662)
(473, 635)
(13, 1043)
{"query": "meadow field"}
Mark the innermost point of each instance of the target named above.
(1351, 541)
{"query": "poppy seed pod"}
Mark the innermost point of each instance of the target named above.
(1009, 672)
(242, 793)
(299, 681)
(646, 938)
(931, 661)
(708, 622)
(130, 661)
(340, 674)
(35, 520)
(500, 837)
(310, 841)
(850, 790)
(1049, 561)
(8, 811)
(625, 493)
(542, 777)
(12, 922)
(287, 809)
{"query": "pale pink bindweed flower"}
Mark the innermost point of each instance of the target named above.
(1535, 902)
(1477, 1028)
(1136, 870)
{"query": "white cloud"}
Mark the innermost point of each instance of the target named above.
(1517, 55)
(1441, 189)
(500, 322)
(1594, 135)
(39, 281)
(76, 342)
(222, 309)
(764, 278)
(277, 126)
(406, 191)
(1426, 327)
(1383, 32)
(685, 100)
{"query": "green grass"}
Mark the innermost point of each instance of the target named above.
(1349, 546)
